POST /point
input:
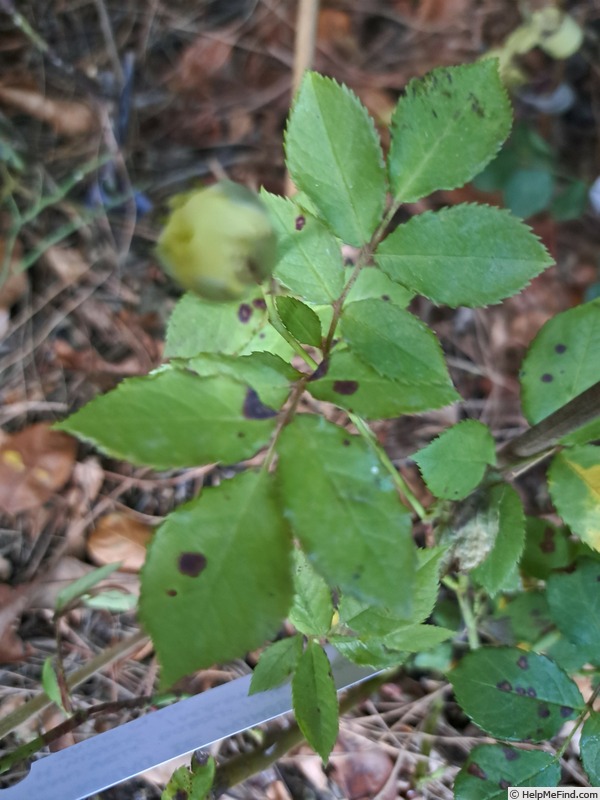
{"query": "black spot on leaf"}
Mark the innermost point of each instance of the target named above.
(385, 297)
(523, 662)
(504, 686)
(191, 564)
(560, 348)
(244, 312)
(300, 222)
(181, 794)
(259, 303)
(510, 754)
(172, 592)
(547, 378)
(531, 692)
(346, 443)
(543, 712)
(254, 408)
(345, 387)
(503, 783)
(476, 771)
(520, 691)
(566, 712)
(320, 371)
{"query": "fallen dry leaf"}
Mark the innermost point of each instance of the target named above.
(119, 537)
(203, 58)
(67, 263)
(66, 117)
(34, 464)
(360, 774)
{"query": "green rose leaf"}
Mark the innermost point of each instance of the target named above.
(372, 621)
(368, 654)
(395, 343)
(513, 694)
(346, 513)
(312, 609)
(574, 482)
(203, 326)
(527, 616)
(351, 384)
(269, 375)
(491, 769)
(300, 320)
(590, 747)
(175, 419)
(560, 364)
(373, 283)
(218, 567)
(269, 340)
(454, 464)
(574, 600)
(276, 664)
(334, 155)
(466, 255)
(309, 257)
(446, 128)
(315, 700)
(546, 548)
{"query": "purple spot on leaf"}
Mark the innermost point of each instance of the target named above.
(254, 408)
(510, 754)
(385, 297)
(543, 712)
(503, 783)
(300, 222)
(172, 592)
(504, 686)
(547, 378)
(531, 692)
(475, 770)
(191, 564)
(560, 348)
(345, 387)
(259, 303)
(522, 662)
(244, 312)
(566, 712)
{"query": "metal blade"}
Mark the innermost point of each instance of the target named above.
(109, 758)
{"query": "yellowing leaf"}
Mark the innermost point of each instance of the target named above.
(574, 480)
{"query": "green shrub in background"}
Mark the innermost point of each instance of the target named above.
(321, 533)
(530, 178)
